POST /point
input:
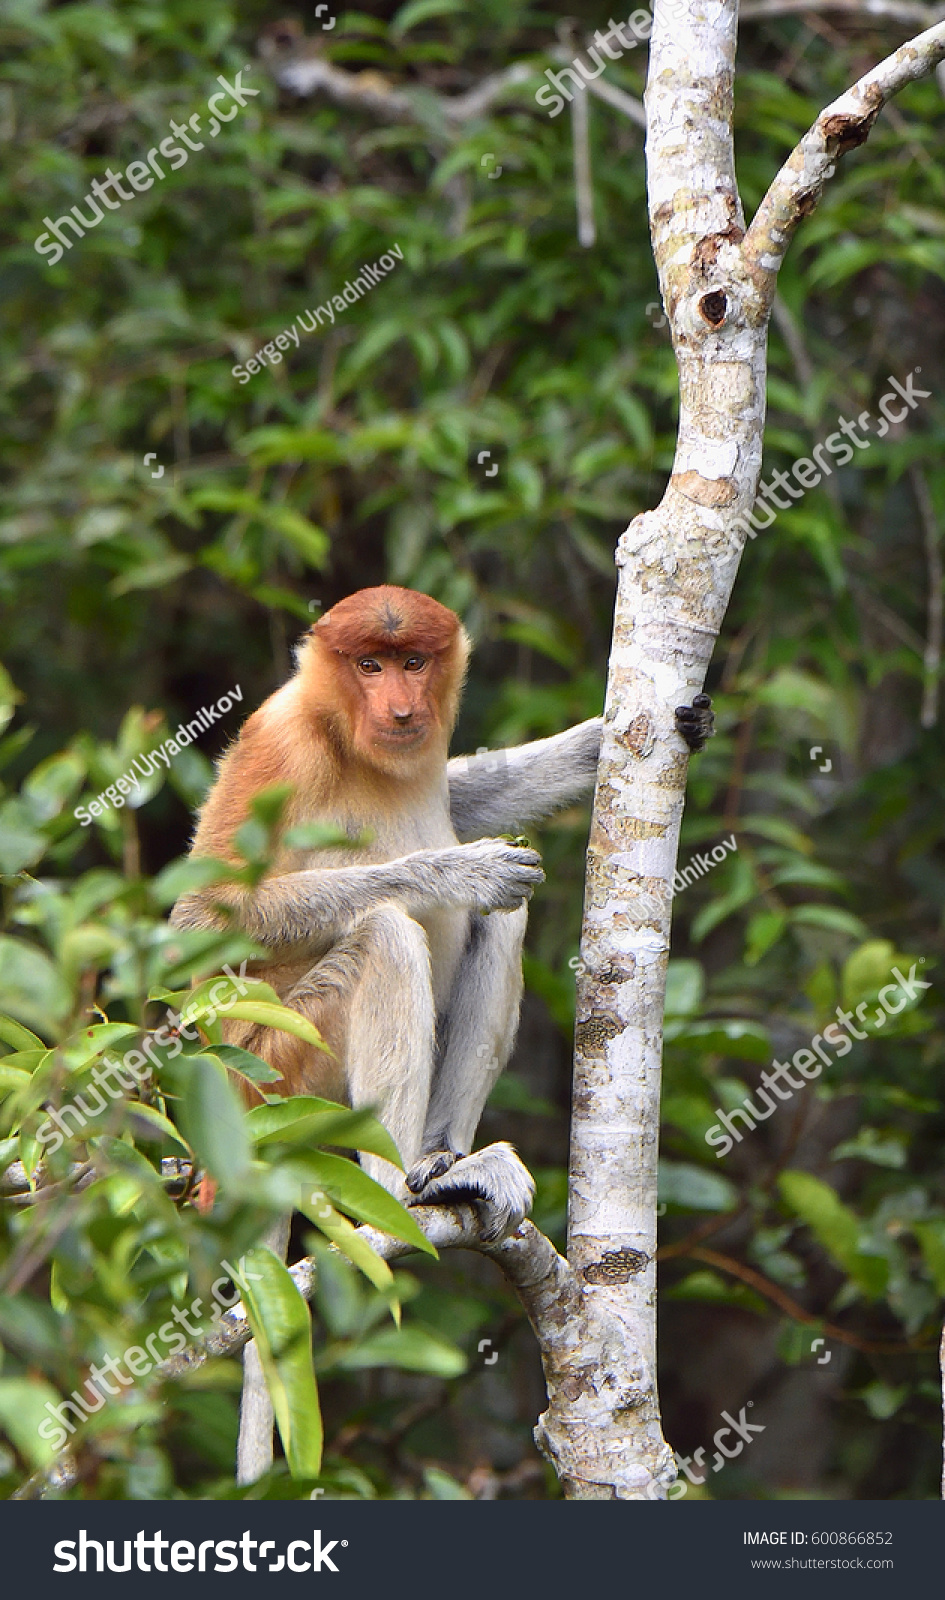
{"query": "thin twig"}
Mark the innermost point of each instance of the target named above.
(625, 103)
(583, 184)
(932, 655)
(941, 1364)
(866, 11)
(773, 1292)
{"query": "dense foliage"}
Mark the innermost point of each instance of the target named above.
(131, 600)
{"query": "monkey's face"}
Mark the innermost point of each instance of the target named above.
(396, 705)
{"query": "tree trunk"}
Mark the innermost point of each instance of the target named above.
(676, 568)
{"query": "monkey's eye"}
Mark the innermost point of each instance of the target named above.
(368, 664)
(415, 663)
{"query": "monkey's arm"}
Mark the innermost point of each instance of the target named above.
(321, 905)
(499, 790)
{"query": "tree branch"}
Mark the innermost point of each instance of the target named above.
(908, 11)
(932, 654)
(843, 125)
(941, 1365)
(296, 64)
(620, 100)
(545, 1284)
(583, 181)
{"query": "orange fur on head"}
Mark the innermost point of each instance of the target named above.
(390, 624)
(389, 621)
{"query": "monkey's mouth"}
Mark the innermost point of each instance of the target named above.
(401, 735)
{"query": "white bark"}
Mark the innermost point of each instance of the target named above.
(676, 567)
(941, 1366)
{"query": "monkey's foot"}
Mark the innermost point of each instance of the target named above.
(494, 1179)
(696, 723)
(429, 1167)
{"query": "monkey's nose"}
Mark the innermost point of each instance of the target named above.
(403, 716)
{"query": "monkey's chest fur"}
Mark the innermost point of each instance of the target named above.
(447, 930)
(405, 829)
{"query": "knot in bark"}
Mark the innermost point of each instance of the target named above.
(616, 1266)
(593, 1033)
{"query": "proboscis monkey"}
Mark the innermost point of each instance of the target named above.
(389, 950)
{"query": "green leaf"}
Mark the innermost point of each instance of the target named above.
(270, 803)
(186, 877)
(351, 1243)
(837, 1227)
(275, 444)
(712, 1287)
(889, 1149)
(192, 1004)
(311, 542)
(442, 1485)
(243, 1064)
(23, 1403)
(869, 969)
(52, 783)
(412, 1349)
(420, 11)
(764, 930)
(21, 845)
(931, 1237)
(305, 1118)
(685, 986)
(137, 1112)
(511, 1093)
(322, 836)
(350, 1188)
(692, 1113)
(695, 1189)
(81, 1048)
(278, 1016)
(884, 1399)
(213, 1120)
(282, 1329)
(726, 1036)
(831, 917)
(779, 831)
(20, 1038)
(30, 985)
(12, 1077)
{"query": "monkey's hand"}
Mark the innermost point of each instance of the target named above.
(492, 874)
(696, 723)
(494, 1180)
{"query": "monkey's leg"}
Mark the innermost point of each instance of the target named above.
(371, 997)
(254, 1447)
(390, 1035)
(379, 978)
(479, 1031)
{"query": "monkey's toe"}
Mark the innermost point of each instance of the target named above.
(494, 1180)
(430, 1167)
(696, 723)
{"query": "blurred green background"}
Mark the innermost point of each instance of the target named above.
(130, 601)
